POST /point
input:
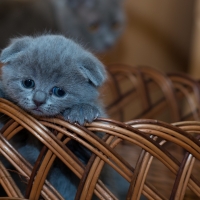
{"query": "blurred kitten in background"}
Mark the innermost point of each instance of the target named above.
(96, 24)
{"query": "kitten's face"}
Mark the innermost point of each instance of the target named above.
(45, 92)
(104, 22)
(100, 23)
(46, 78)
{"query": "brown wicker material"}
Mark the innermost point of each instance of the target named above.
(143, 92)
(148, 140)
(149, 135)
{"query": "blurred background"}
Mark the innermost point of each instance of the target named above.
(161, 34)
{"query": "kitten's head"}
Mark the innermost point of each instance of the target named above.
(97, 23)
(47, 74)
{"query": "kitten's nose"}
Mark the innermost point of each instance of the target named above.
(38, 103)
(39, 98)
(109, 41)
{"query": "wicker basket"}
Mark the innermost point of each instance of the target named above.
(164, 158)
(143, 92)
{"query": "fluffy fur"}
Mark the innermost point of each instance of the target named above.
(96, 24)
(53, 64)
(50, 75)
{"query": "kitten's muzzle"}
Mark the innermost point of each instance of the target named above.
(39, 98)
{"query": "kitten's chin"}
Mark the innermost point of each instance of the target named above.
(37, 112)
(40, 113)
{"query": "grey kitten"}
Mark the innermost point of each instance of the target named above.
(50, 75)
(96, 24)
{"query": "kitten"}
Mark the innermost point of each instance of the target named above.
(51, 75)
(96, 24)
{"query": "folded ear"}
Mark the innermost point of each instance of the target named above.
(14, 49)
(93, 70)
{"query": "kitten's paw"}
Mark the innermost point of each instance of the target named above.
(81, 113)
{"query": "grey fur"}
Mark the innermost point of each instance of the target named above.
(96, 24)
(52, 60)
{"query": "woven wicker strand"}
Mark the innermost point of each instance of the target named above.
(144, 92)
(150, 135)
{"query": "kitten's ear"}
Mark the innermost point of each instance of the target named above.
(93, 70)
(16, 46)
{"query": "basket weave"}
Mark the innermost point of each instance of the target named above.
(143, 92)
(155, 140)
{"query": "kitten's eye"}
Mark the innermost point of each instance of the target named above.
(58, 92)
(28, 83)
(94, 26)
(115, 25)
